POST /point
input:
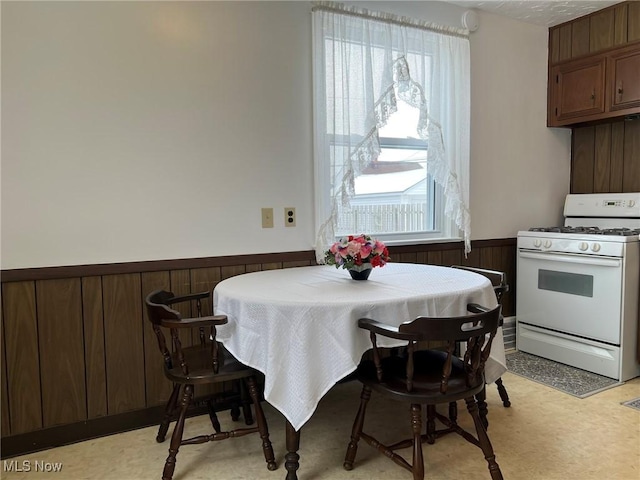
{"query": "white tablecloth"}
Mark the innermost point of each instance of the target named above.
(299, 325)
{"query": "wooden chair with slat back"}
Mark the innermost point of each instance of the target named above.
(205, 363)
(500, 287)
(428, 377)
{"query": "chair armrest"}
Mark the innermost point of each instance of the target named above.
(190, 296)
(482, 271)
(497, 278)
(475, 308)
(384, 329)
(195, 322)
(500, 289)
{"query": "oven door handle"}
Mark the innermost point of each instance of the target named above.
(571, 258)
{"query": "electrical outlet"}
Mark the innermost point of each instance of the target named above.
(267, 218)
(289, 217)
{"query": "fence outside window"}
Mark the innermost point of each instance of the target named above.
(383, 218)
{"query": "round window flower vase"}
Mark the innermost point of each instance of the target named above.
(361, 272)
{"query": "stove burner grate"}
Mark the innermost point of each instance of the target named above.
(589, 230)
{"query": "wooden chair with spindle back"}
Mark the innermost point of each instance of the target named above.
(428, 377)
(220, 399)
(205, 363)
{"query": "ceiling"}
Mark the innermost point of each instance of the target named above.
(546, 13)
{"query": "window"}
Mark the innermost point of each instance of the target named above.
(395, 196)
(391, 128)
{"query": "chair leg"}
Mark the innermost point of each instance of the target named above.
(416, 427)
(431, 423)
(213, 417)
(262, 424)
(246, 405)
(504, 396)
(453, 412)
(176, 438)
(168, 413)
(356, 431)
(481, 398)
(235, 406)
(483, 439)
(235, 412)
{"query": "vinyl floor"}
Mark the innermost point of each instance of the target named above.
(544, 435)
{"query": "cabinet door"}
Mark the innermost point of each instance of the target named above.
(624, 86)
(578, 88)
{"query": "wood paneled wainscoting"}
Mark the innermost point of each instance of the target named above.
(80, 360)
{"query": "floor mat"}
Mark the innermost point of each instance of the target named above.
(635, 403)
(573, 381)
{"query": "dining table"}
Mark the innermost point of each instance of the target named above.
(299, 326)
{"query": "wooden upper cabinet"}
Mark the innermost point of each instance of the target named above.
(608, 28)
(580, 34)
(620, 20)
(579, 88)
(624, 86)
(633, 21)
(601, 31)
(594, 66)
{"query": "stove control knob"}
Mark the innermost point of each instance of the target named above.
(595, 247)
(537, 243)
(547, 244)
(583, 246)
(632, 203)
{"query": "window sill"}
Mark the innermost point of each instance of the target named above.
(421, 241)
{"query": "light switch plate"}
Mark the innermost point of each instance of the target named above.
(267, 218)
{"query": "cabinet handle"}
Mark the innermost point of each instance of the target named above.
(593, 97)
(620, 90)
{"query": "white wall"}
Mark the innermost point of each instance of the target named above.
(519, 168)
(139, 131)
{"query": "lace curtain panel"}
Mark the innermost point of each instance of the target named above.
(363, 63)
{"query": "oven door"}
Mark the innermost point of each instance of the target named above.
(575, 294)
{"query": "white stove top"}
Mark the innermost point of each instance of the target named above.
(590, 230)
(584, 236)
(596, 224)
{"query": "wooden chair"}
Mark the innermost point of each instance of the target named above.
(500, 287)
(428, 377)
(208, 362)
(219, 400)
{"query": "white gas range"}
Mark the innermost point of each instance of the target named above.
(578, 286)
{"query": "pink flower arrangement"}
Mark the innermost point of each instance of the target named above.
(356, 251)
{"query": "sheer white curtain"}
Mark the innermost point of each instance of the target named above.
(363, 62)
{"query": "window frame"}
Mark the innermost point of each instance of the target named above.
(444, 230)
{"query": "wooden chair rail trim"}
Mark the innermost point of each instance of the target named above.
(46, 273)
(71, 271)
